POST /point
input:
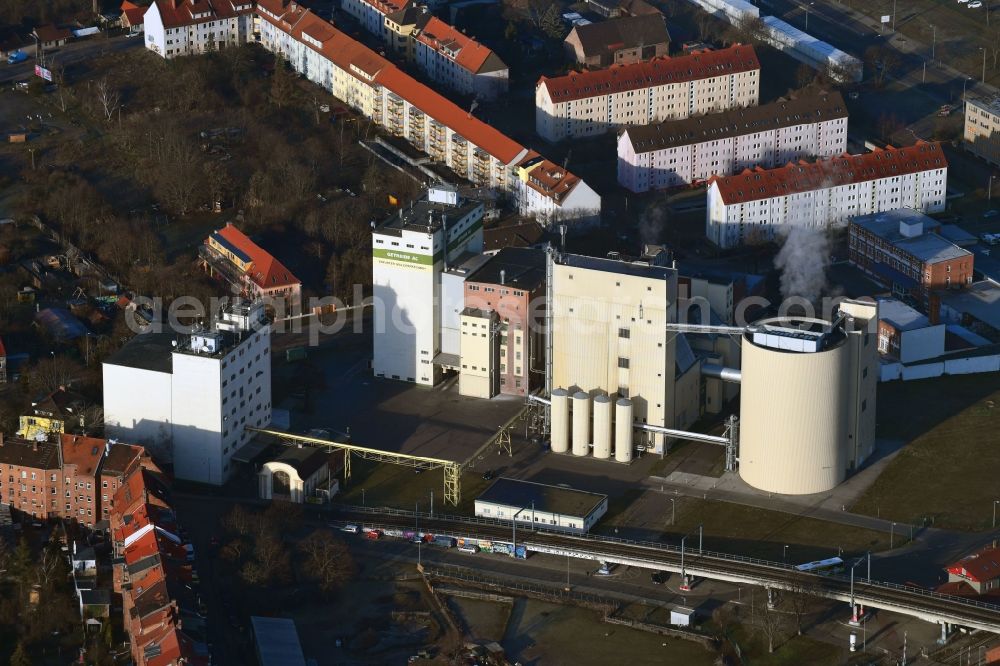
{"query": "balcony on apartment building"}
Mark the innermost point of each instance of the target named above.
(218, 265)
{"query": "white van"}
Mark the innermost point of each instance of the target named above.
(469, 549)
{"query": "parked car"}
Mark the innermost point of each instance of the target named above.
(606, 569)
(351, 529)
(659, 577)
(16, 57)
(975, 4)
(488, 475)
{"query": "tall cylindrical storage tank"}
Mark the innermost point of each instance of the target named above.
(560, 421)
(602, 427)
(581, 424)
(793, 414)
(623, 430)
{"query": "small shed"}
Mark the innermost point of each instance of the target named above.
(296, 475)
(277, 642)
(681, 616)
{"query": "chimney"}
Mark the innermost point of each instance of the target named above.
(503, 276)
(34, 445)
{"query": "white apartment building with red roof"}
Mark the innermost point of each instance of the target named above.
(184, 27)
(759, 205)
(459, 62)
(581, 104)
(394, 100)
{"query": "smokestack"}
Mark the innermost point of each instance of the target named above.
(562, 236)
(503, 276)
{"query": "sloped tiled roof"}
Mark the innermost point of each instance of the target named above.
(547, 178)
(648, 73)
(980, 567)
(621, 33)
(84, 452)
(179, 13)
(754, 185)
(132, 14)
(264, 270)
(465, 51)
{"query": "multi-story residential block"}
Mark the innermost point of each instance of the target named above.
(507, 294)
(410, 253)
(119, 461)
(982, 128)
(620, 41)
(383, 93)
(759, 205)
(680, 152)
(583, 104)
(458, 62)
(903, 250)
(371, 13)
(251, 270)
(550, 194)
(54, 476)
(199, 391)
(184, 27)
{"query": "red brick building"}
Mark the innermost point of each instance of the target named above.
(512, 284)
(53, 478)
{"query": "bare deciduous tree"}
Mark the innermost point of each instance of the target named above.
(766, 621)
(108, 97)
(328, 561)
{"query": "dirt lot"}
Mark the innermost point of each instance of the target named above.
(541, 633)
(482, 620)
(948, 473)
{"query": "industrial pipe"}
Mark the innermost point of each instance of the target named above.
(681, 434)
(721, 372)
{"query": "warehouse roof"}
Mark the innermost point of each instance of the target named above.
(146, 351)
(277, 641)
(305, 460)
(523, 268)
(635, 269)
(886, 223)
(813, 107)
(900, 315)
(931, 248)
(757, 184)
(648, 73)
(550, 499)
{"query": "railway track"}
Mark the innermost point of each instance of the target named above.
(914, 601)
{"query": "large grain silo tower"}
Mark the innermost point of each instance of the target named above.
(797, 404)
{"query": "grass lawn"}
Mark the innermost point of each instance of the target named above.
(948, 473)
(761, 533)
(375, 484)
(794, 651)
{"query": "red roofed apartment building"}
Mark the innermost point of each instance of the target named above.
(382, 92)
(759, 205)
(459, 62)
(230, 254)
(583, 104)
(183, 27)
(56, 477)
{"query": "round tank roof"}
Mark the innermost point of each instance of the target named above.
(602, 398)
(624, 402)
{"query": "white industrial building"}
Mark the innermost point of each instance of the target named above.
(758, 205)
(188, 398)
(582, 104)
(413, 254)
(820, 377)
(609, 343)
(542, 506)
(679, 152)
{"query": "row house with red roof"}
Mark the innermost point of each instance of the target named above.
(582, 104)
(760, 205)
(185, 27)
(251, 270)
(154, 572)
(371, 13)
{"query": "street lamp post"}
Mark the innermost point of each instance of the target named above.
(995, 502)
(854, 606)
(989, 197)
(933, 41)
(684, 587)
(964, 81)
(806, 7)
(784, 554)
(673, 511)
(983, 49)
(432, 502)
(892, 534)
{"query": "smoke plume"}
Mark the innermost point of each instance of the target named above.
(803, 260)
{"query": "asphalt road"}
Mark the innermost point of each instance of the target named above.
(73, 52)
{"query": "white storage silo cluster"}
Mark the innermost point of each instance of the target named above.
(598, 423)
